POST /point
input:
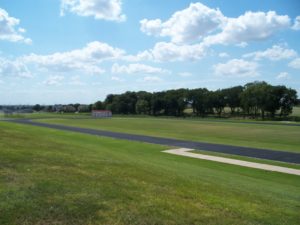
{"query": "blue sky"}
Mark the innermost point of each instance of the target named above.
(68, 51)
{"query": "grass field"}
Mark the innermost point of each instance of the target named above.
(55, 177)
(277, 137)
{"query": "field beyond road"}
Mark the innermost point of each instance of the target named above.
(55, 177)
(275, 137)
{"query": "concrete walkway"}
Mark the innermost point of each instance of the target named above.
(261, 166)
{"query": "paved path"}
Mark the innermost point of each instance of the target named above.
(279, 123)
(261, 166)
(227, 149)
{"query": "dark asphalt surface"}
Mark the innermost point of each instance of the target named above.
(257, 123)
(212, 121)
(227, 149)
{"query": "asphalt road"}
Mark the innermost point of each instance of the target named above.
(227, 149)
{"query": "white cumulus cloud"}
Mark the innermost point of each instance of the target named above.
(187, 25)
(199, 22)
(118, 79)
(283, 76)
(223, 55)
(275, 53)
(99, 9)
(14, 68)
(76, 81)
(194, 29)
(86, 59)
(236, 68)
(137, 68)
(252, 26)
(54, 80)
(295, 63)
(185, 74)
(170, 52)
(296, 25)
(9, 30)
(152, 79)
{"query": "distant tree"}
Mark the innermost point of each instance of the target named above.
(233, 97)
(83, 108)
(287, 101)
(49, 108)
(109, 99)
(199, 101)
(90, 107)
(182, 100)
(126, 103)
(119, 104)
(76, 105)
(145, 96)
(142, 106)
(261, 97)
(252, 98)
(175, 102)
(264, 94)
(157, 103)
(271, 103)
(37, 108)
(255, 99)
(122, 104)
(217, 99)
(131, 100)
(98, 105)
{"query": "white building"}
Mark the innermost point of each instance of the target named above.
(101, 113)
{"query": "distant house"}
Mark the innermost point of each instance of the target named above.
(25, 111)
(83, 108)
(69, 109)
(8, 112)
(58, 108)
(101, 113)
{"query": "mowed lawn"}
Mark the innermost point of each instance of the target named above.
(55, 177)
(276, 137)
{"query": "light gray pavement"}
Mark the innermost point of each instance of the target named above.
(186, 152)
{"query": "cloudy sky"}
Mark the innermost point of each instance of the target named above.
(68, 51)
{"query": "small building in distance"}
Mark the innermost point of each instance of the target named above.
(101, 113)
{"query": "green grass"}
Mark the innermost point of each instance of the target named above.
(277, 137)
(55, 177)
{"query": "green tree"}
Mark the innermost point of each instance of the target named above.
(37, 108)
(157, 103)
(253, 98)
(142, 106)
(217, 99)
(145, 96)
(98, 105)
(199, 101)
(233, 97)
(287, 101)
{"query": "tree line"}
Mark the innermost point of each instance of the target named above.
(256, 99)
